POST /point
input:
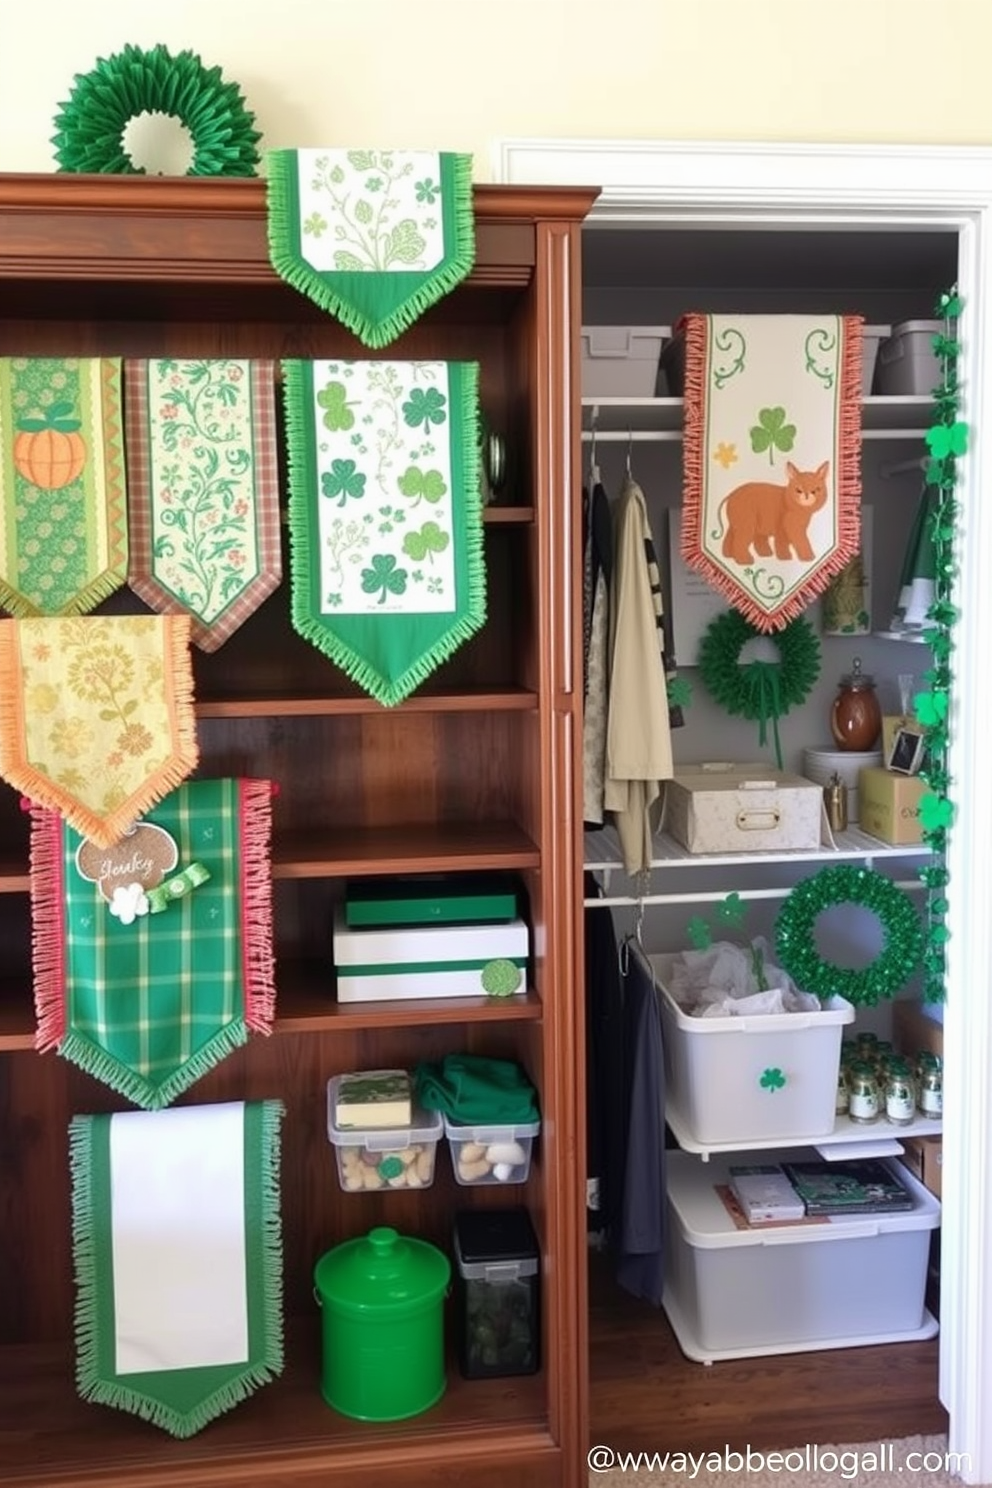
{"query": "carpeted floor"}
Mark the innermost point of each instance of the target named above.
(886, 1464)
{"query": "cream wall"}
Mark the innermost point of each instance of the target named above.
(462, 73)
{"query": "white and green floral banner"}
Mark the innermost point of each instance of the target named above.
(385, 515)
(372, 236)
(203, 489)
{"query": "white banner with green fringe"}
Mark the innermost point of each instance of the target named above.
(374, 237)
(386, 557)
(178, 1259)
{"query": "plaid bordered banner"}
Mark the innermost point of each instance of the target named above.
(149, 1001)
(203, 489)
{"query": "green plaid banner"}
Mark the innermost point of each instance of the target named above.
(149, 1001)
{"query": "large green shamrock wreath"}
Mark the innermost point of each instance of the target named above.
(761, 690)
(103, 102)
(795, 942)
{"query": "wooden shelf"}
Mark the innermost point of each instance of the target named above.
(663, 416)
(305, 1003)
(284, 1433)
(353, 852)
(507, 516)
(279, 705)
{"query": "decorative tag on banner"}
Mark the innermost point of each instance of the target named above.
(386, 550)
(374, 237)
(177, 1247)
(203, 490)
(153, 958)
(63, 513)
(96, 715)
(772, 457)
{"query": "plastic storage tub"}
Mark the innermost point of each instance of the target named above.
(738, 1080)
(732, 1292)
(621, 361)
(497, 1293)
(907, 362)
(491, 1154)
(385, 1157)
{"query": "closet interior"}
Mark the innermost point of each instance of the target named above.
(645, 1389)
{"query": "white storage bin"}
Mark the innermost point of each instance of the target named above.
(379, 1158)
(621, 361)
(784, 1288)
(753, 1079)
(907, 362)
(491, 1154)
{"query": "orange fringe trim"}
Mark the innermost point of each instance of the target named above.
(848, 489)
(48, 927)
(258, 974)
(24, 776)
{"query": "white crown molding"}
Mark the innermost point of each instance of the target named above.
(886, 187)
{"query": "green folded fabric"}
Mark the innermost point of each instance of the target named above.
(473, 1091)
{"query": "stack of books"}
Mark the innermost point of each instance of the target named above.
(773, 1192)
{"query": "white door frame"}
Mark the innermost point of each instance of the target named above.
(859, 187)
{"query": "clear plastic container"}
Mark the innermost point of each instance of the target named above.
(384, 1157)
(497, 1300)
(491, 1154)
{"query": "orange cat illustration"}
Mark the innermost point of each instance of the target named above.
(773, 519)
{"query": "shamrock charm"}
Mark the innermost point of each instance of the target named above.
(127, 902)
(772, 1080)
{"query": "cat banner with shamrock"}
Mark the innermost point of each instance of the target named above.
(63, 510)
(772, 457)
(374, 237)
(203, 489)
(385, 514)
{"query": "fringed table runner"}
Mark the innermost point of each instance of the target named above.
(772, 457)
(96, 715)
(153, 959)
(177, 1248)
(203, 490)
(63, 514)
(386, 552)
(374, 237)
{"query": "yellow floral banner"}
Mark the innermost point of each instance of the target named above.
(96, 715)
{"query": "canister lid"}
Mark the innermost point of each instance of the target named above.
(856, 678)
(485, 1236)
(382, 1272)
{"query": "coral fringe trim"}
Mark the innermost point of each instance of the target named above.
(48, 927)
(258, 972)
(848, 488)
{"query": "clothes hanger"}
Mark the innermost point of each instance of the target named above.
(595, 477)
(634, 937)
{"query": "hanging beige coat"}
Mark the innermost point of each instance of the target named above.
(638, 736)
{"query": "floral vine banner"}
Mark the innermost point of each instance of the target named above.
(203, 490)
(96, 715)
(374, 237)
(63, 516)
(772, 453)
(385, 514)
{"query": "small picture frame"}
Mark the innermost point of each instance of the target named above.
(906, 754)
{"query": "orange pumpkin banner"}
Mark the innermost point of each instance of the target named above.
(63, 506)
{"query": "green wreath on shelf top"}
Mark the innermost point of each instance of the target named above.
(90, 125)
(761, 690)
(848, 884)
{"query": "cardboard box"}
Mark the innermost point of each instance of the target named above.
(889, 805)
(914, 1028)
(407, 962)
(923, 1157)
(723, 808)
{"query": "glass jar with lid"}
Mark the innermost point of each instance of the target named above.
(863, 1093)
(900, 1093)
(856, 715)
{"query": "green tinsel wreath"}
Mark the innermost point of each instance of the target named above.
(103, 102)
(848, 884)
(761, 690)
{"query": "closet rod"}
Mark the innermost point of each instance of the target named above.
(672, 436)
(910, 885)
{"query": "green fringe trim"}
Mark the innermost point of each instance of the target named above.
(107, 1068)
(387, 691)
(91, 1198)
(282, 199)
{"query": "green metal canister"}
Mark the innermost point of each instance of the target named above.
(382, 1303)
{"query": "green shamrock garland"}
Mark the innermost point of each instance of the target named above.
(946, 440)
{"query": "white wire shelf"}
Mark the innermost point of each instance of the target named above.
(602, 852)
(845, 1133)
